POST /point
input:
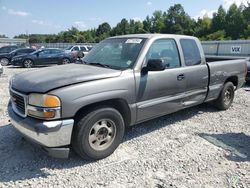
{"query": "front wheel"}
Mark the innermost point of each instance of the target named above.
(226, 97)
(4, 61)
(97, 134)
(28, 63)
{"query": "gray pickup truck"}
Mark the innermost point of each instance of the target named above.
(123, 81)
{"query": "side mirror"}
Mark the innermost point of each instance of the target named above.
(156, 65)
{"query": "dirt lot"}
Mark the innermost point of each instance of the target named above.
(197, 147)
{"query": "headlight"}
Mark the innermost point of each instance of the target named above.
(44, 100)
(44, 106)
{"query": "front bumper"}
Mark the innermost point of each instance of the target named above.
(51, 135)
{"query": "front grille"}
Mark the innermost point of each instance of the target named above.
(18, 103)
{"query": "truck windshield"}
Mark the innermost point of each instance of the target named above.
(116, 53)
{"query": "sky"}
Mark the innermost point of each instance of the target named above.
(53, 16)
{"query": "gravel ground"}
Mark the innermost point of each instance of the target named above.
(197, 147)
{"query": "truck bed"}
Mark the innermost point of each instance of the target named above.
(222, 68)
(210, 59)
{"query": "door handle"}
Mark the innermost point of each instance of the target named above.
(180, 77)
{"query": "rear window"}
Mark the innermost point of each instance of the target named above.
(191, 52)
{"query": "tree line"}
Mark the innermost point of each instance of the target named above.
(224, 25)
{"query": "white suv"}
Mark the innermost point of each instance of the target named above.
(78, 51)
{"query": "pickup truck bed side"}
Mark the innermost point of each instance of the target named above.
(222, 71)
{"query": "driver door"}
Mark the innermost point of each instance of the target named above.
(161, 92)
(44, 57)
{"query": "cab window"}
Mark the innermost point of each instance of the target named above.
(166, 50)
(191, 52)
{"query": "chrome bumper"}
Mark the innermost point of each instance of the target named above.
(48, 134)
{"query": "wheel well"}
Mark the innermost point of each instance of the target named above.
(119, 104)
(233, 79)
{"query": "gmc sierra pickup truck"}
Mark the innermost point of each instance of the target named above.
(123, 81)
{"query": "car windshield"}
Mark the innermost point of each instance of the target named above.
(69, 48)
(116, 53)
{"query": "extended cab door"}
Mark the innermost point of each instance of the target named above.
(195, 72)
(161, 92)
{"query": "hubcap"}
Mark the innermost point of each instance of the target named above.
(102, 134)
(4, 61)
(227, 96)
(28, 63)
(65, 61)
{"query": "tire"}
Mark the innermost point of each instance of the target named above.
(28, 63)
(97, 134)
(226, 97)
(80, 54)
(65, 61)
(4, 61)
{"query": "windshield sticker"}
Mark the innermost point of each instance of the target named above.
(133, 41)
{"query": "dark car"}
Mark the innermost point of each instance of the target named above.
(248, 71)
(44, 56)
(6, 58)
(8, 49)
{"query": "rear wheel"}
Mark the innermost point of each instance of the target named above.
(28, 63)
(4, 61)
(65, 61)
(97, 134)
(226, 97)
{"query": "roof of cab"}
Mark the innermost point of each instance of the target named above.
(148, 36)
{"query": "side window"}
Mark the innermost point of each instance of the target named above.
(166, 50)
(191, 52)
(28, 50)
(4, 50)
(13, 48)
(19, 52)
(44, 52)
(83, 49)
(75, 48)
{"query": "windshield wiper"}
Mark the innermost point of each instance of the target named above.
(99, 64)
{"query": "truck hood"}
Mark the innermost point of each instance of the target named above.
(46, 79)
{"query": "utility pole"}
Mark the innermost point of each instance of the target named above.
(28, 39)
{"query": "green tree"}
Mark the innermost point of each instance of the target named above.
(234, 22)
(122, 28)
(147, 25)
(203, 27)
(103, 28)
(157, 21)
(178, 21)
(219, 19)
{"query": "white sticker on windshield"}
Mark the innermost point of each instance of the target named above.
(134, 41)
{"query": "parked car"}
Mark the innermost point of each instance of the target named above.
(45, 56)
(6, 58)
(8, 49)
(125, 80)
(1, 70)
(78, 51)
(248, 71)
